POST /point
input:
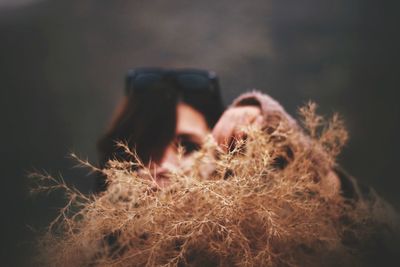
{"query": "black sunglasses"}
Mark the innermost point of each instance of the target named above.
(184, 80)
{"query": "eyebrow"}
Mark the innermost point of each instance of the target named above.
(188, 137)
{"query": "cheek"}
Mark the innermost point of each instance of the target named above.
(199, 168)
(186, 161)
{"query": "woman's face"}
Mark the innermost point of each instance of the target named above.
(190, 132)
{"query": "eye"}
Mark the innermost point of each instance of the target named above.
(189, 146)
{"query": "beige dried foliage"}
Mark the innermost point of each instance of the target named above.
(247, 212)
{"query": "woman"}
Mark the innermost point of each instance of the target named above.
(167, 108)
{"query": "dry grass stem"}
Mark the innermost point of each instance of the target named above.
(258, 205)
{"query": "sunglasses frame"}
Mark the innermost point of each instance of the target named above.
(172, 76)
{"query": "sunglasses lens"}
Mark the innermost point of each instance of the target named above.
(195, 82)
(145, 81)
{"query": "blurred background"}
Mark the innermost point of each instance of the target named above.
(62, 67)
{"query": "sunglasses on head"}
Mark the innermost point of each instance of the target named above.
(183, 80)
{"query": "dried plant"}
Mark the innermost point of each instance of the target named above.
(262, 205)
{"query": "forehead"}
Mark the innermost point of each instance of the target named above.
(189, 121)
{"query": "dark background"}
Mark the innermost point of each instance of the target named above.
(62, 65)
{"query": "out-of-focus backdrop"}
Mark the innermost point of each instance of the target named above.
(62, 65)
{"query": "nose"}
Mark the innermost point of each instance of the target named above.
(167, 165)
(169, 161)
